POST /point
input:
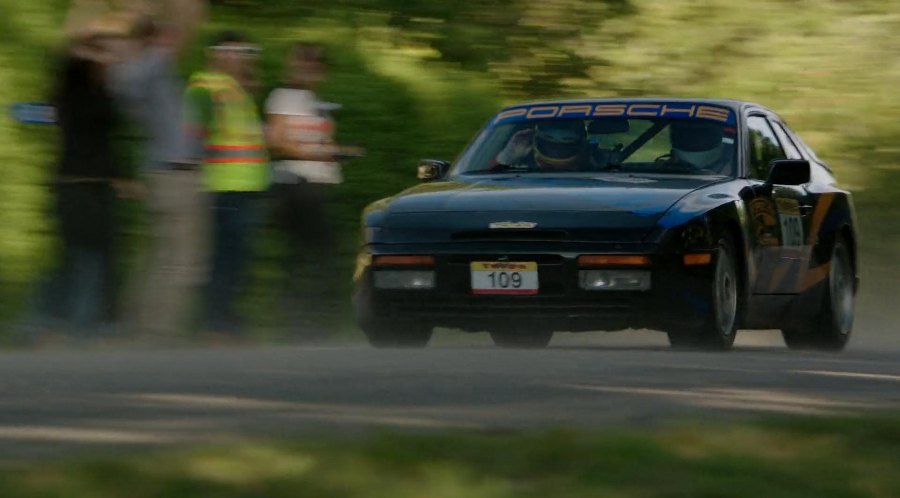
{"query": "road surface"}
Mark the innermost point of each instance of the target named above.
(53, 402)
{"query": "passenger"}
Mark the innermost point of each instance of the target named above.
(700, 144)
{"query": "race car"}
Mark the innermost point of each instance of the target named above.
(692, 217)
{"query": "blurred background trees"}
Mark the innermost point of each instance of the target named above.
(417, 78)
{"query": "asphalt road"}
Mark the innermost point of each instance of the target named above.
(52, 402)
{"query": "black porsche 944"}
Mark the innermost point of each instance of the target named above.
(693, 217)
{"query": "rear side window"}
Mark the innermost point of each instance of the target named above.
(764, 147)
(790, 149)
(801, 144)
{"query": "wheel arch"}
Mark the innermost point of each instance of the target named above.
(839, 221)
(726, 220)
(734, 230)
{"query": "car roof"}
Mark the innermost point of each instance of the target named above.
(735, 105)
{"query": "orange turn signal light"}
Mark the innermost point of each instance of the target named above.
(614, 260)
(404, 261)
(699, 259)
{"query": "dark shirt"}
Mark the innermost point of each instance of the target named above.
(86, 120)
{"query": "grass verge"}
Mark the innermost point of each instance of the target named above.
(786, 457)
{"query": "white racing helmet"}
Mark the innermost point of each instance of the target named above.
(697, 142)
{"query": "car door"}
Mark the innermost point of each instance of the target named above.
(779, 212)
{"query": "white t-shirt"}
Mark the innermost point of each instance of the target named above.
(307, 124)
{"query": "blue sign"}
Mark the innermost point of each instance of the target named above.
(33, 113)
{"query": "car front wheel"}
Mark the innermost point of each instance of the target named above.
(718, 328)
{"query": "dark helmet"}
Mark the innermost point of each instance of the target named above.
(559, 143)
(697, 142)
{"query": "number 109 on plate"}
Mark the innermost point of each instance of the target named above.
(504, 278)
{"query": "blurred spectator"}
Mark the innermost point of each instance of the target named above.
(148, 86)
(82, 292)
(228, 137)
(301, 136)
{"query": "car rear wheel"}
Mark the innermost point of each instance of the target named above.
(385, 335)
(718, 329)
(830, 327)
(522, 339)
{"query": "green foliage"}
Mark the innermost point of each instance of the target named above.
(530, 46)
(783, 458)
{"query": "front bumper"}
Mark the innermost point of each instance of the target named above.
(677, 293)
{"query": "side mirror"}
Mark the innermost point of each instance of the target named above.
(432, 169)
(789, 172)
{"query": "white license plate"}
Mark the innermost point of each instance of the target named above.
(504, 278)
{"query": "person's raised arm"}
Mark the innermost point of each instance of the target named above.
(518, 147)
(184, 19)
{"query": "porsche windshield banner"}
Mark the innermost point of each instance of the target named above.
(636, 110)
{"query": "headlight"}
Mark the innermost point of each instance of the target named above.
(404, 280)
(614, 280)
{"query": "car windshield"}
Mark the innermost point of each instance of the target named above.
(651, 145)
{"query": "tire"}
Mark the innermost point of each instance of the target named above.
(521, 339)
(717, 331)
(384, 332)
(797, 338)
(398, 335)
(831, 325)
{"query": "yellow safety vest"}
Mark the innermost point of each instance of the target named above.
(235, 159)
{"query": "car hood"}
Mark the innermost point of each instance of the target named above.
(603, 201)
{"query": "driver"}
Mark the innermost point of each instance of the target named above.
(559, 145)
(699, 144)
